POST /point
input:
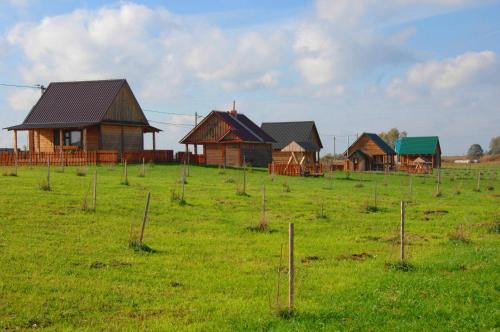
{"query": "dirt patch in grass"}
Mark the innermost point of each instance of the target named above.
(310, 259)
(113, 263)
(354, 257)
(435, 212)
(175, 284)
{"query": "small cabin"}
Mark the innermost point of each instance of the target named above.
(86, 116)
(230, 139)
(418, 154)
(369, 153)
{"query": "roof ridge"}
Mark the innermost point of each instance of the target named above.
(246, 127)
(89, 81)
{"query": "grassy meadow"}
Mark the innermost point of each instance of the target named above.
(208, 269)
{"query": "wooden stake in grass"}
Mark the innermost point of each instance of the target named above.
(263, 203)
(94, 191)
(62, 160)
(402, 251)
(125, 181)
(144, 219)
(244, 176)
(278, 305)
(478, 184)
(48, 173)
(291, 267)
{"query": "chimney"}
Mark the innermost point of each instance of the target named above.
(233, 111)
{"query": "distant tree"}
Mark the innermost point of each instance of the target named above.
(475, 151)
(495, 145)
(391, 136)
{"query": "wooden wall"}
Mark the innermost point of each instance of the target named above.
(125, 107)
(367, 146)
(93, 138)
(214, 154)
(211, 130)
(283, 157)
(257, 154)
(111, 138)
(46, 139)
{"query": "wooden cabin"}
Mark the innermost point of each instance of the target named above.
(86, 116)
(418, 154)
(302, 135)
(230, 139)
(369, 153)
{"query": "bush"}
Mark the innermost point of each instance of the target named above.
(81, 172)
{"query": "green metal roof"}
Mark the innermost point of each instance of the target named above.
(417, 145)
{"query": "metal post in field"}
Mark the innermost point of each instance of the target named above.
(402, 251)
(291, 268)
(144, 219)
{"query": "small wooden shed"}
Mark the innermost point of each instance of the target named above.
(369, 153)
(412, 149)
(232, 139)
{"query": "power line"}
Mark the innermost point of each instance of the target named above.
(171, 113)
(182, 125)
(38, 86)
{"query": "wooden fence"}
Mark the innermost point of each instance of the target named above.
(80, 158)
(295, 170)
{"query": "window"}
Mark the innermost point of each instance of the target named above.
(70, 137)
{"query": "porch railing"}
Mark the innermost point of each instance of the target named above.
(81, 158)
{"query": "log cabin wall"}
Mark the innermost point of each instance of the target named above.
(44, 137)
(233, 154)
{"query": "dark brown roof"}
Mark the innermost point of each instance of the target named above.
(73, 104)
(302, 132)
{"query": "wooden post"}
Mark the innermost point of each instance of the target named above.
(61, 143)
(143, 167)
(144, 218)
(183, 182)
(402, 230)
(411, 186)
(154, 146)
(478, 181)
(263, 202)
(290, 268)
(38, 140)
(121, 143)
(15, 142)
(244, 176)
(126, 173)
(94, 193)
(48, 172)
(84, 139)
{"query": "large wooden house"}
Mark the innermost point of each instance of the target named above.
(86, 116)
(369, 153)
(418, 154)
(232, 139)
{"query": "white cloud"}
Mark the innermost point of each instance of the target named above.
(449, 79)
(23, 100)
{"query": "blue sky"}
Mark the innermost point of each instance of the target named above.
(429, 67)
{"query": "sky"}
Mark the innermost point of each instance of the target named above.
(428, 67)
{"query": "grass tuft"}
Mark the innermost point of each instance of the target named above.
(286, 187)
(460, 236)
(403, 266)
(44, 186)
(134, 244)
(81, 172)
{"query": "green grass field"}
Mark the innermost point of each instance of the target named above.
(63, 268)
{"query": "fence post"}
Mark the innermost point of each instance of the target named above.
(244, 176)
(126, 172)
(290, 268)
(48, 172)
(263, 202)
(402, 252)
(478, 187)
(144, 218)
(62, 159)
(94, 193)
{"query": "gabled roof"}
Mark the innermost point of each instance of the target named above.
(377, 140)
(300, 131)
(74, 104)
(417, 145)
(240, 125)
